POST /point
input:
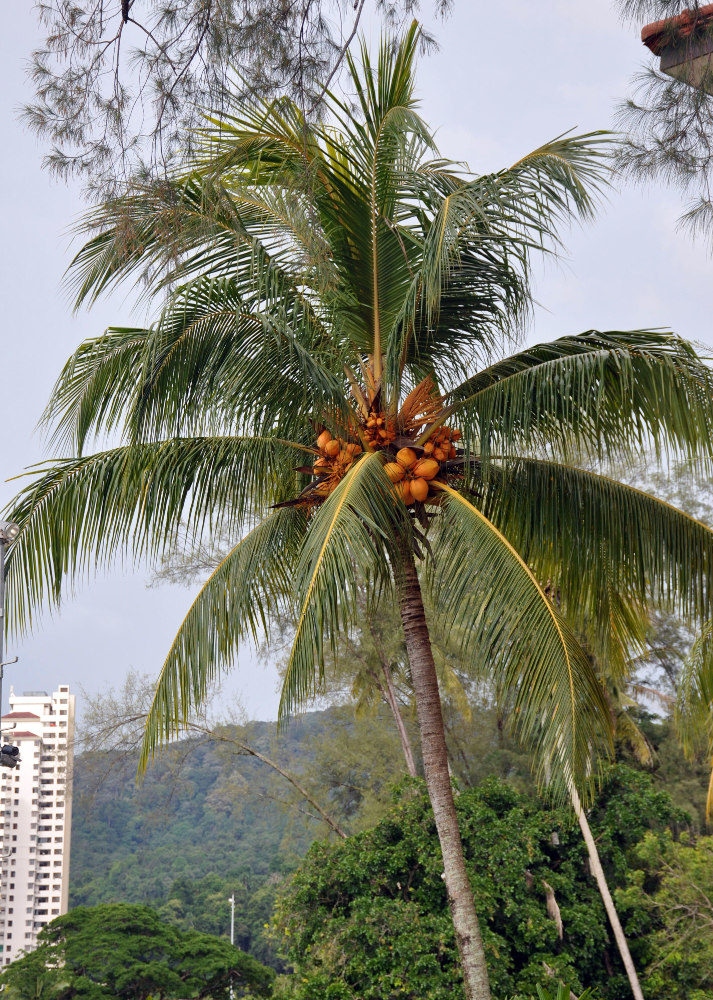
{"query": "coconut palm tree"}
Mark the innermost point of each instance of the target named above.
(326, 383)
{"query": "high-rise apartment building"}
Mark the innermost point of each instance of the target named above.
(35, 817)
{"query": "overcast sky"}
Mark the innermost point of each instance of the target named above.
(504, 81)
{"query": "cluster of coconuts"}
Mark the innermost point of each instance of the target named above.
(379, 431)
(336, 455)
(442, 443)
(411, 475)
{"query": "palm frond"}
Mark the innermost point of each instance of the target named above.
(134, 502)
(235, 604)
(215, 362)
(95, 387)
(220, 361)
(607, 550)
(597, 394)
(628, 732)
(515, 637)
(174, 231)
(472, 280)
(348, 544)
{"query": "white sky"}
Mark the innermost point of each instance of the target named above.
(505, 80)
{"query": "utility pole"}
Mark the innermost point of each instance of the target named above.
(8, 533)
(232, 935)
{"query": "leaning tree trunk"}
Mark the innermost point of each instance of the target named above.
(438, 782)
(598, 872)
(392, 701)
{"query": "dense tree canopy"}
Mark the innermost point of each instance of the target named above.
(121, 951)
(368, 918)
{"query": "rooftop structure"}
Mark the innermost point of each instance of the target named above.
(685, 45)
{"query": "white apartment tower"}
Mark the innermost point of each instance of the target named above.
(35, 817)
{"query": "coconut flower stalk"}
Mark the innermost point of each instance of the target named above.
(326, 381)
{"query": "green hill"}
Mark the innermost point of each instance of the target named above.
(205, 822)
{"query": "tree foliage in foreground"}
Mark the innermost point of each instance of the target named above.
(672, 883)
(368, 918)
(124, 952)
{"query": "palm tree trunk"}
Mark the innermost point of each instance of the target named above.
(438, 782)
(596, 867)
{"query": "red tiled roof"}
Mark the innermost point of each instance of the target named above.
(16, 736)
(657, 35)
(20, 715)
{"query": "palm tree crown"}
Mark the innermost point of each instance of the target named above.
(325, 382)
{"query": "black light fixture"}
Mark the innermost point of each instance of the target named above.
(9, 755)
(685, 46)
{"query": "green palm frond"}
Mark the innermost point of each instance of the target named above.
(472, 279)
(83, 513)
(603, 546)
(96, 387)
(514, 636)
(176, 230)
(597, 393)
(348, 543)
(217, 361)
(628, 732)
(522, 208)
(212, 364)
(235, 604)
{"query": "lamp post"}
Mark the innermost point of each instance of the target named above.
(232, 935)
(8, 533)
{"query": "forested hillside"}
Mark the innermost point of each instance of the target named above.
(203, 823)
(208, 821)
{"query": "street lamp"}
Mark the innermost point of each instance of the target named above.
(232, 935)
(8, 533)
